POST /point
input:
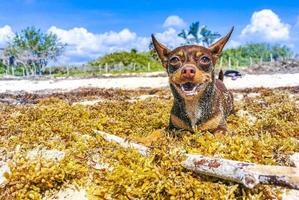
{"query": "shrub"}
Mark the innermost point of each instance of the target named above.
(128, 59)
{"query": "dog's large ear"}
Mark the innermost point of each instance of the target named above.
(161, 50)
(217, 47)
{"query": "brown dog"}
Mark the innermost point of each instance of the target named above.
(200, 101)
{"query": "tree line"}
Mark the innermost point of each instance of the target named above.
(31, 50)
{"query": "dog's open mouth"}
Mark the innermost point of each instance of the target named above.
(190, 89)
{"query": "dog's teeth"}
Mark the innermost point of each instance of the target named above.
(191, 92)
(194, 88)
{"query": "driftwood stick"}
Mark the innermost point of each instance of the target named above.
(143, 150)
(248, 174)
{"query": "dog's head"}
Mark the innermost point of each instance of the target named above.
(191, 67)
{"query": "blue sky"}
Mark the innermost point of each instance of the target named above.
(93, 28)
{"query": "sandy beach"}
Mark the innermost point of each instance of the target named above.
(247, 81)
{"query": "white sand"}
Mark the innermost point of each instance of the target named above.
(247, 81)
(46, 154)
(4, 168)
(69, 194)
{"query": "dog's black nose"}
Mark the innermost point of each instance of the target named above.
(188, 72)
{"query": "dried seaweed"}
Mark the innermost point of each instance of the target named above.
(56, 123)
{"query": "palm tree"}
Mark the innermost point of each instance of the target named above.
(196, 35)
(193, 31)
(207, 36)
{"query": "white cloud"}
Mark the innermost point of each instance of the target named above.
(266, 25)
(6, 35)
(84, 45)
(170, 38)
(233, 44)
(174, 21)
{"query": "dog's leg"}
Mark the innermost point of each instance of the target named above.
(222, 128)
(177, 123)
(212, 123)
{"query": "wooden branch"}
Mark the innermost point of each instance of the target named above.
(143, 150)
(248, 174)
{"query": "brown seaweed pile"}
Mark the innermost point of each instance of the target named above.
(264, 129)
(280, 66)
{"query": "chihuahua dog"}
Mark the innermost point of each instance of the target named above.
(201, 102)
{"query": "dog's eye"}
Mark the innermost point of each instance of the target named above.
(205, 60)
(174, 60)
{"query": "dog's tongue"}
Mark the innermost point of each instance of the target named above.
(188, 86)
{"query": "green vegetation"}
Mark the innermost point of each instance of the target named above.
(251, 53)
(31, 49)
(128, 61)
(138, 62)
(59, 124)
(114, 63)
(2, 68)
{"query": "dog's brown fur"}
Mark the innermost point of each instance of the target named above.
(201, 102)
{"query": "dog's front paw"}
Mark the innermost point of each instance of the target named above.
(221, 129)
